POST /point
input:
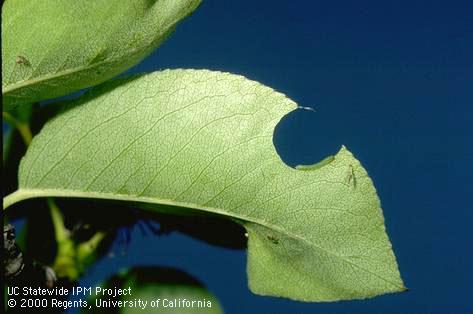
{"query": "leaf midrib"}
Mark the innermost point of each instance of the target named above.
(40, 79)
(23, 194)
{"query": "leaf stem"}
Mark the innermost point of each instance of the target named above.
(86, 250)
(65, 262)
(60, 230)
(13, 198)
(22, 127)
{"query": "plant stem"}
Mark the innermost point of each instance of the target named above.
(22, 127)
(60, 230)
(65, 262)
(86, 250)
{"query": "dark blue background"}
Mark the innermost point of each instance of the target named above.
(393, 81)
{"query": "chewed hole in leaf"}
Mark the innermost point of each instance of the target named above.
(303, 137)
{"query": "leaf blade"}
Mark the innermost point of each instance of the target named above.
(162, 286)
(203, 140)
(50, 49)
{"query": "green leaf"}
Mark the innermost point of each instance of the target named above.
(200, 141)
(159, 283)
(55, 47)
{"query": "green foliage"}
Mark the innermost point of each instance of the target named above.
(55, 47)
(187, 142)
(192, 141)
(164, 284)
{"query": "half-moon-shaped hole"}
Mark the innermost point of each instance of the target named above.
(306, 137)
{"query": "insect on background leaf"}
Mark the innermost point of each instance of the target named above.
(55, 47)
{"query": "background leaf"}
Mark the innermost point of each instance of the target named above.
(52, 48)
(163, 283)
(187, 141)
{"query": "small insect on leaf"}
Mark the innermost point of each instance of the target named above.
(351, 178)
(22, 60)
(273, 239)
